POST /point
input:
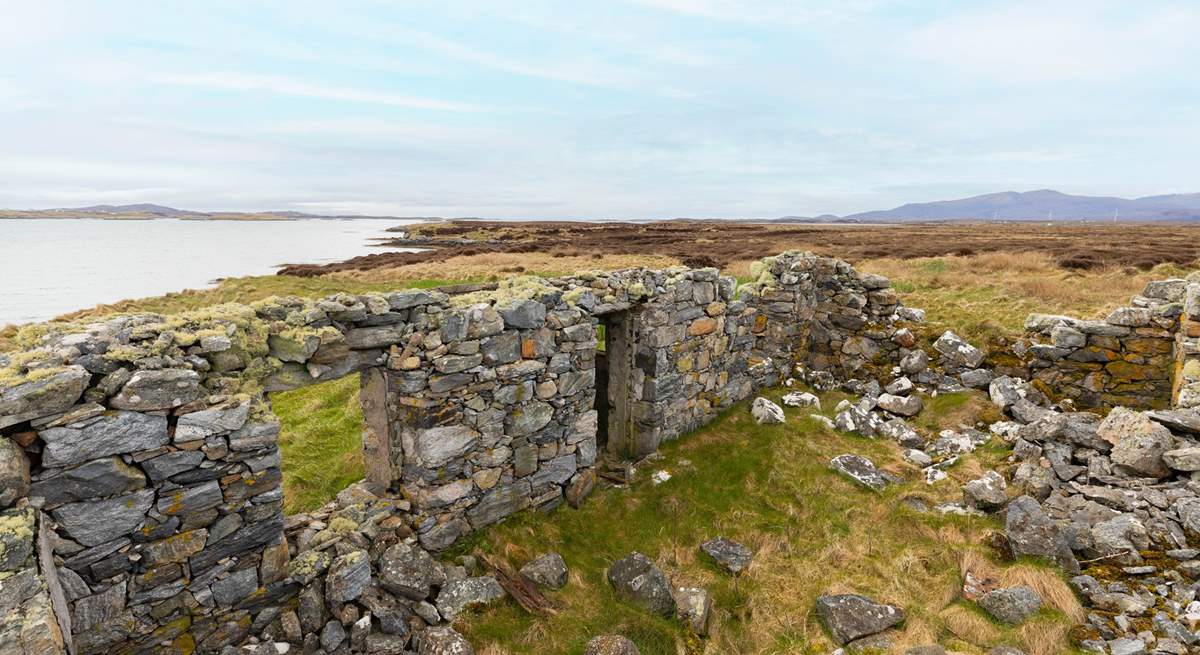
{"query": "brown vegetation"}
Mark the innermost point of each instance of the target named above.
(713, 243)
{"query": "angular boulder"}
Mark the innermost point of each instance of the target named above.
(986, 493)
(1138, 443)
(861, 470)
(637, 578)
(732, 556)
(549, 571)
(957, 352)
(410, 572)
(766, 412)
(1011, 605)
(801, 399)
(459, 595)
(900, 405)
(848, 617)
(1031, 532)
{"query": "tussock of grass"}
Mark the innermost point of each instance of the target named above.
(813, 532)
(320, 441)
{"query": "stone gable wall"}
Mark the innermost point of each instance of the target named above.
(152, 455)
(1137, 356)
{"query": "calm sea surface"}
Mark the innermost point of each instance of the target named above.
(50, 267)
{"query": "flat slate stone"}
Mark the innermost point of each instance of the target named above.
(51, 395)
(98, 478)
(95, 522)
(120, 433)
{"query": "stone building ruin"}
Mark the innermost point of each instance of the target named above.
(140, 456)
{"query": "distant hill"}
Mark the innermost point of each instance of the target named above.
(147, 208)
(1041, 205)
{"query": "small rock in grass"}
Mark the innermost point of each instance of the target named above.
(861, 470)
(1012, 604)
(850, 616)
(801, 399)
(639, 579)
(766, 412)
(610, 645)
(731, 555)
(549, 571)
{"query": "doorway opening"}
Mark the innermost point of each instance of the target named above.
(614, 363)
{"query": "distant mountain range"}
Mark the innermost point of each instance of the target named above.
(1042, 205)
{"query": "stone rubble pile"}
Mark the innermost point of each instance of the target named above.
(1115, 497)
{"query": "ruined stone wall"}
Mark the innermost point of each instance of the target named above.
(1128, 358)
(146, 447)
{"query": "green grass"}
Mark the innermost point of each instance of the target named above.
(320, 441)
(813, 531)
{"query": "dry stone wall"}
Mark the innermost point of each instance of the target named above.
(1142, 355)
(144, 452)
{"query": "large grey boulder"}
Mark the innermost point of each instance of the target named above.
(732, 556)
(51, 394)
(637, 578)
(848, 617)
(148, 391)
(1012, 604)
(443, 640)
(610, 645)
(14, 472)
(410, 572)
(1031, 532)
(1138, 442)
(766, 412)
(458, 595)
(957, 352)
(549, 571)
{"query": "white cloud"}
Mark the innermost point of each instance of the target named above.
(1076, 40)
(236, 81)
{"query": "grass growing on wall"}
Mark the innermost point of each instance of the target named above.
(320, 442)
(813, 532)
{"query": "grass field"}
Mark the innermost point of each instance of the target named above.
(813, 532)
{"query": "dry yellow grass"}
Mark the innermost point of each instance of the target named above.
(499, 265)
(989, 295)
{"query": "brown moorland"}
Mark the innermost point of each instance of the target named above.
(1077, 245)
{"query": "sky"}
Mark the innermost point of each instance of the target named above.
(579, 109)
